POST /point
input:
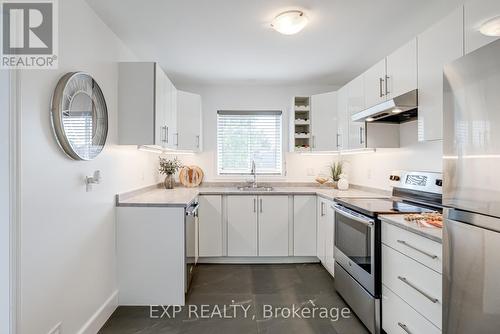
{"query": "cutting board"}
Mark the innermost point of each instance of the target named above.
(191, 176)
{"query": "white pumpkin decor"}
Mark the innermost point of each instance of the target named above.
(343, 183)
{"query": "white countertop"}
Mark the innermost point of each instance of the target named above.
(180, 196)
(430, 232)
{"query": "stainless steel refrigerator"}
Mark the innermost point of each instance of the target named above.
(471, 163)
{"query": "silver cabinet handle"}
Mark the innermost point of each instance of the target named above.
(260, 200)
(381, 82)
(423, 293)
(254, 205)
(322, 209)
(166, 133)
(387, 85)
(177, 139)
(338, 140)
(361, 141)
(313, 142)
(197, 141)
(404, 327)
(432, 256)
(163, 134)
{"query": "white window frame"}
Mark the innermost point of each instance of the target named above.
(282, 140)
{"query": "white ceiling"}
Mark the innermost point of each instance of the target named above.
(230, 41)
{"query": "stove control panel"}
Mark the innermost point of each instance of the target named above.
(422, 181)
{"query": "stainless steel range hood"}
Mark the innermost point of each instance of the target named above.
(400, 109)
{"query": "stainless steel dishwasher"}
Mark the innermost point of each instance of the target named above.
(191, 242)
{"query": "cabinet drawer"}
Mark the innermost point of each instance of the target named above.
(421, 249)
(397, 316)
(416, 284)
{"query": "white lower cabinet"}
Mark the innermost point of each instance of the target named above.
(304, 225)
(273, 225)
(325, 234)
(399, 317)
(242, 225)
(150, 255)
(257, 225)
(210, 231)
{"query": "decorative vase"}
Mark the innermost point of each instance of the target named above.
(343, 183)
(169, 182)
(334, 184)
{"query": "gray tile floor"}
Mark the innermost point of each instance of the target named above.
(252, 287)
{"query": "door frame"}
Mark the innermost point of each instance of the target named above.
(14, 119)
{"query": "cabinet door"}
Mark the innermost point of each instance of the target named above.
(189, 120)
(375, 84)
(356, 103)
(342, 140)
(273, 225)
(242, 226)
(324, 119)
(320, 238)
(438, 45)
(304, 225)
(171, 114)
(476, 13)
(161, 108)
(329, 237)
(136, 102)
(401, 70)
(210, 226)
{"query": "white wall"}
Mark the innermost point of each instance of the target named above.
(365, 169)
(67, 234)
(4, 203)
(373, 169)
(252, 97)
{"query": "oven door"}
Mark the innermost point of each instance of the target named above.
(355, 246)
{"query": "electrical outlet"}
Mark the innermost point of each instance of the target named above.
(310, 172)
(369, 173)
(56, 329)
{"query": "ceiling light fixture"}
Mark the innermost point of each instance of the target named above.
(370, 119)
(491, 27)
(289, 22)
(396, 111)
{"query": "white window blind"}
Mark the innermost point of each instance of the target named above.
(243, 136)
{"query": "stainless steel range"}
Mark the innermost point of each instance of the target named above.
(358, 239)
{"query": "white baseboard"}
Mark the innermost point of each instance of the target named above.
(259, 260)
(99, 318)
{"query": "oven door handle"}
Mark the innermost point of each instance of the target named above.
(340, 211)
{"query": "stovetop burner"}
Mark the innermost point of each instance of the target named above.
(378, 206)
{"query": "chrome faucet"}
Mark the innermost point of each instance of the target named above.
(253, 171)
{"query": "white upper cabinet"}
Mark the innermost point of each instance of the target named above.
(189, 121)
(392, 76)
(146, 105)
(401, 70)
(476, 13)
(171, 115)
(440, 44)
(343, 119)
(356, 103)
(375, 87)
(323, 120)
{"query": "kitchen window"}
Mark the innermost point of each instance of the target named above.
(243, 136)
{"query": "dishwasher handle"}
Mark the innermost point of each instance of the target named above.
(192, 210)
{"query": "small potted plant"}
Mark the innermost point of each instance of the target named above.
(335, 171)
(169, 168)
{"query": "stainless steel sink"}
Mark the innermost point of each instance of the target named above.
(250, 188)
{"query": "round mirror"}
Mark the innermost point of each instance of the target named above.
(79, 116)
